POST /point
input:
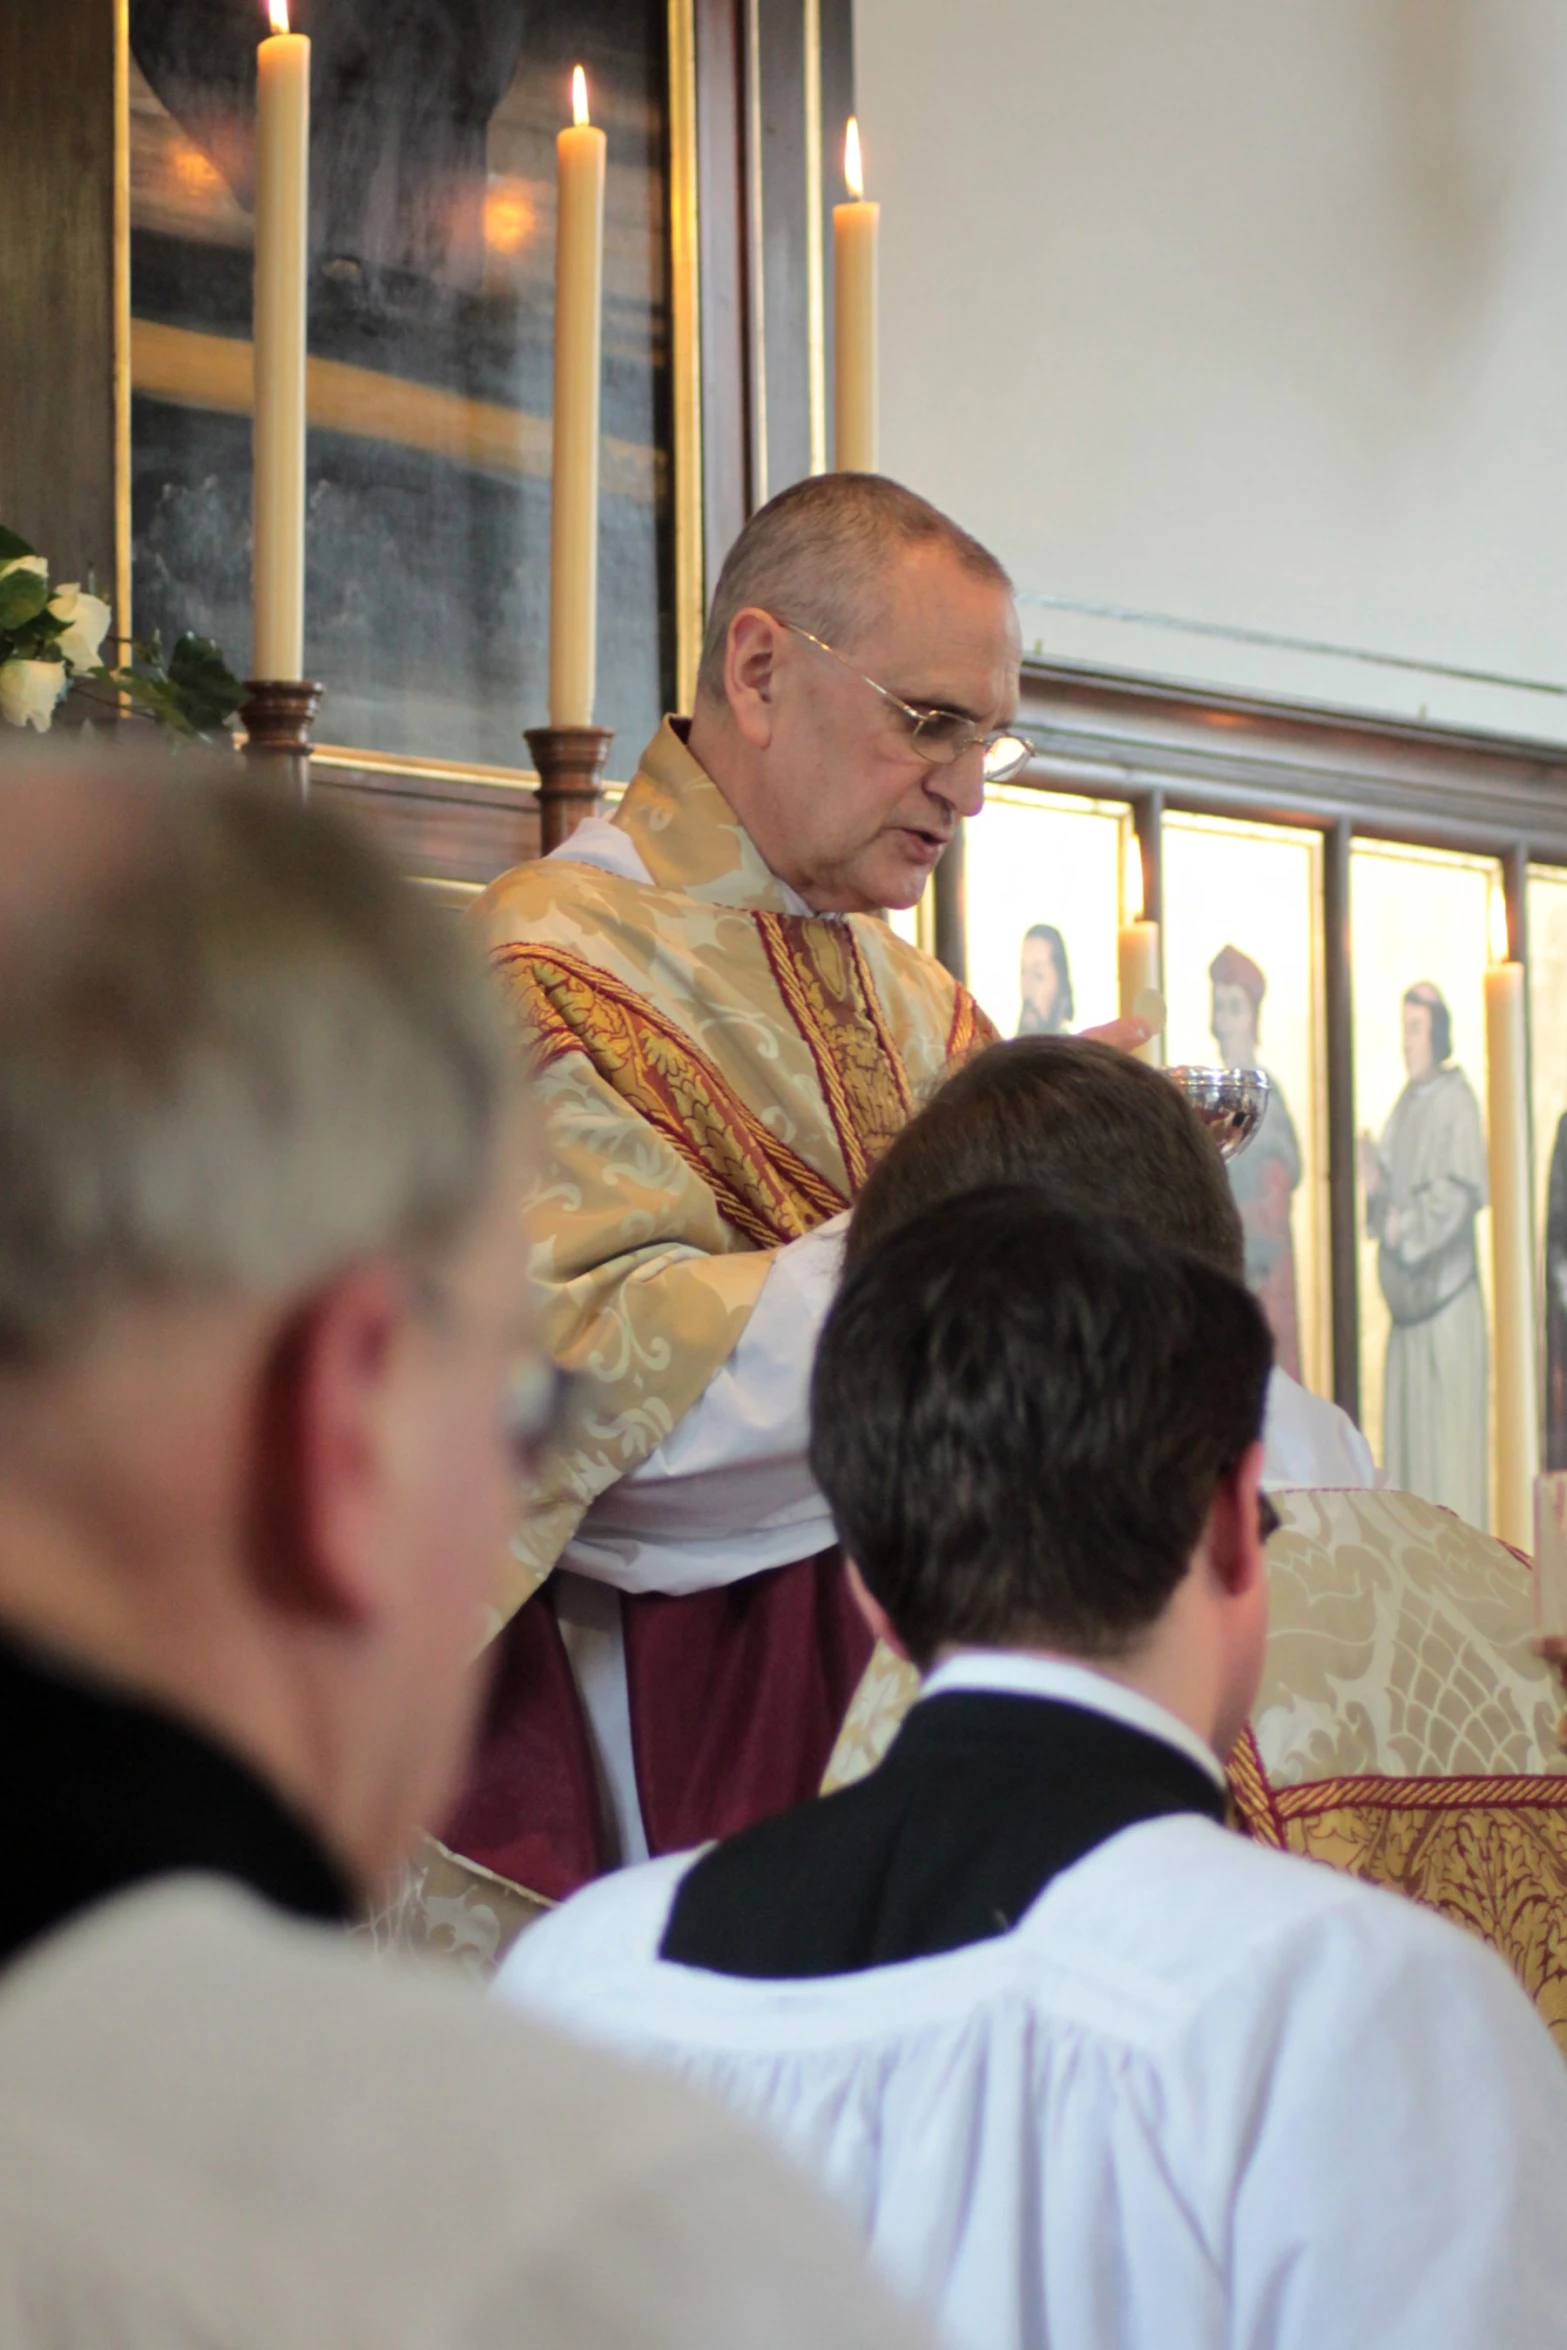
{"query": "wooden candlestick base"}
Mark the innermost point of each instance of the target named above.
(570, 761)
(277, 718)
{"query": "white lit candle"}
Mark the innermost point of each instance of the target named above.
(574, 517)
(282, 253)
(1512, 1245)
(855, 228)
(1137, 948)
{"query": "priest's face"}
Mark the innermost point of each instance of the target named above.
(847, 810)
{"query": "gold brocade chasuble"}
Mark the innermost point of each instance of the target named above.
(716, 1076)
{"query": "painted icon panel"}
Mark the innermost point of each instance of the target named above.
(1243, 981)
(1548, 1104)
(1042, 892)
(1419, 927)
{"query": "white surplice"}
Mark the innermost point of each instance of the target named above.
(1203, 2095)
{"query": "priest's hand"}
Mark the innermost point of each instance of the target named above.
(1125, 1035)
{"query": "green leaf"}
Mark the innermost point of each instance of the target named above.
(208, 691)
(155, 695)
(30, 637)
(11, 547)
(23, 596)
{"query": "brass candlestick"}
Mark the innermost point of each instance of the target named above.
(570, 761)
(277, 717)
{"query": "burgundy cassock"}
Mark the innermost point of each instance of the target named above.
(736, 1695)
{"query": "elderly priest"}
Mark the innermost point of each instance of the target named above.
(727, 1035)
(1084, 2067)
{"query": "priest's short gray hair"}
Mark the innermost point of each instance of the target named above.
(816, 553)
(238, 1052)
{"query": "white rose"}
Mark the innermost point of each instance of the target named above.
(29, 691)
(89, 618)
(26, 563)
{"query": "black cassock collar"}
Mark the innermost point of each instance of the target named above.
(981, 1799)
(101, 1790)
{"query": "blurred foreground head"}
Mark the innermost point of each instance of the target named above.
(262, 1292)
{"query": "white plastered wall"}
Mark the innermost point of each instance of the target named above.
(1249, 312)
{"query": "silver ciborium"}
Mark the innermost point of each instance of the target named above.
(1230, 1102)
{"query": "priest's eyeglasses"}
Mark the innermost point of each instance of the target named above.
(941, 736)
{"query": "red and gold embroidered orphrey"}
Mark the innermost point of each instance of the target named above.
(971, 1030)
(764, 1189)
(828, 994)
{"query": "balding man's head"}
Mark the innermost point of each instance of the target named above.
(848, 612)
(820, 554)
(263, 1291)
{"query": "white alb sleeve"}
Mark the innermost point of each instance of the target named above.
(729, 1492)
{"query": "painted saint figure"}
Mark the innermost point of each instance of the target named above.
(1265, 1176)
(1045, 980)
(1556, 1306)
(1425, 1184)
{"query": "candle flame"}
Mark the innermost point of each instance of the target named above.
(1132, 880)
(853, 168)
(278, 10)
(1500, 943)
(579, 96)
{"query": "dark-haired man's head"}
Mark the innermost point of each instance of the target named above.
(1041, 1430)
(1087, 1127)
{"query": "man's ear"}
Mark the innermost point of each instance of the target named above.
(875, 1615)
(1234, 1533)
(749, 674)
(321, 1466)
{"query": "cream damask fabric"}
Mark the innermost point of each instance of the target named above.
(451, 1910)
(1398, 1643)
(716, 1075)
(888, 1687)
